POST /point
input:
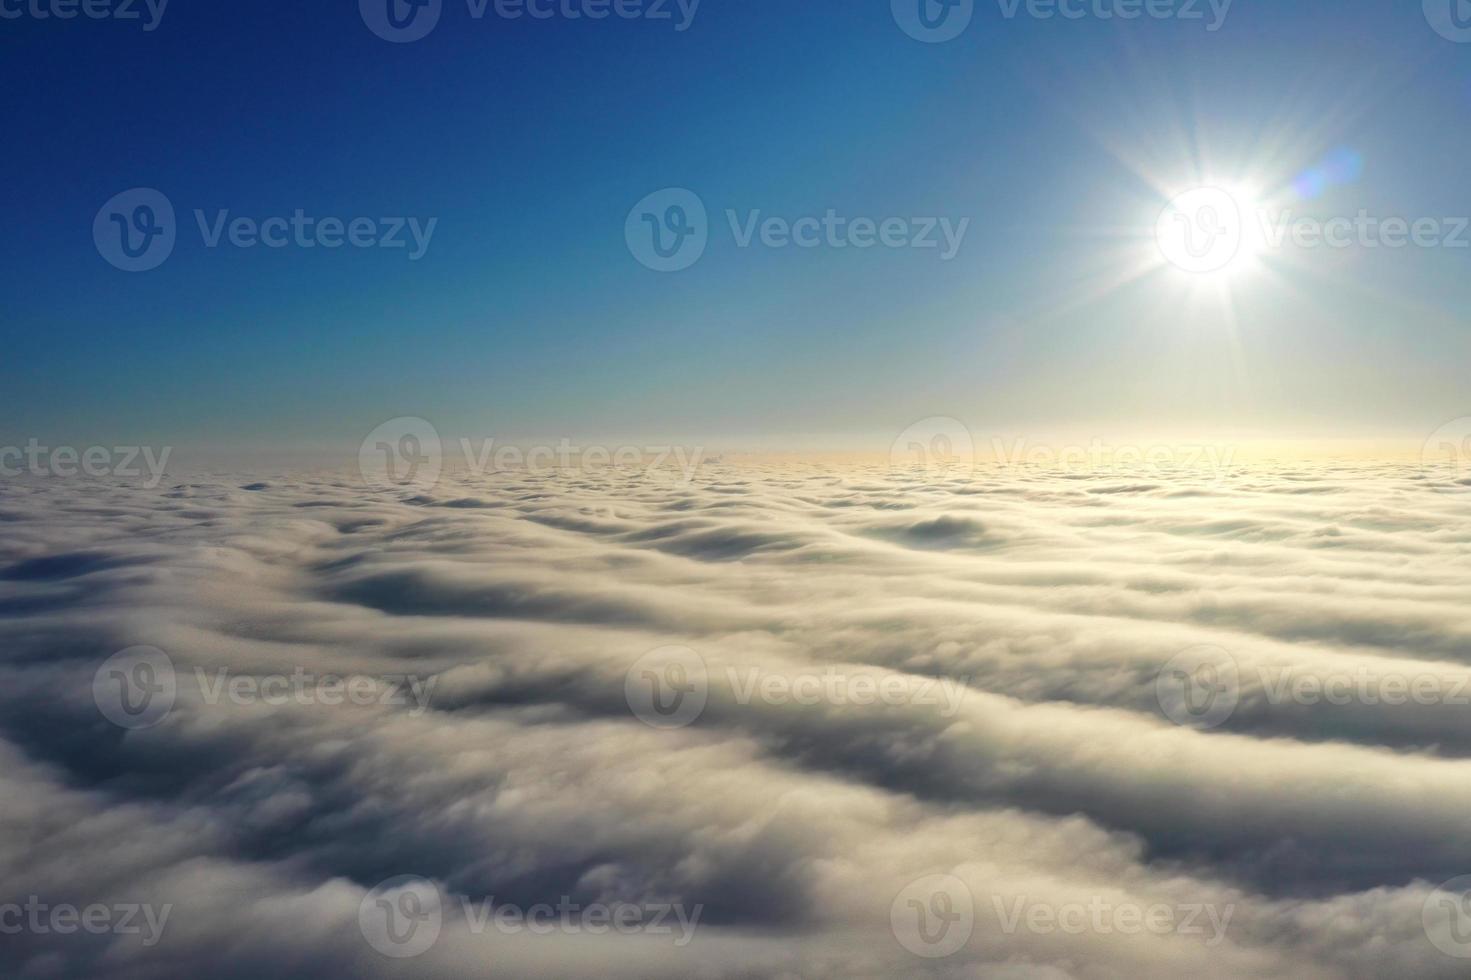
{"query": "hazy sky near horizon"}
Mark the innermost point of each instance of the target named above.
(1047, 146)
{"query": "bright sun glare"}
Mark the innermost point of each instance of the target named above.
(1212, 231)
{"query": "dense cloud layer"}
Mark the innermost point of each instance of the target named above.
(815, 721)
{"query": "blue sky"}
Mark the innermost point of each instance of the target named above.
(530, 141)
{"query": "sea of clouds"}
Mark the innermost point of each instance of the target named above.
(796, 720)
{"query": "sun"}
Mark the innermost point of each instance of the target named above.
(1211, 231)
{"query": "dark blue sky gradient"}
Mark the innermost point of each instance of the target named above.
(531, 140)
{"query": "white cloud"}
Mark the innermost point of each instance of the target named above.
(1055, 782)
